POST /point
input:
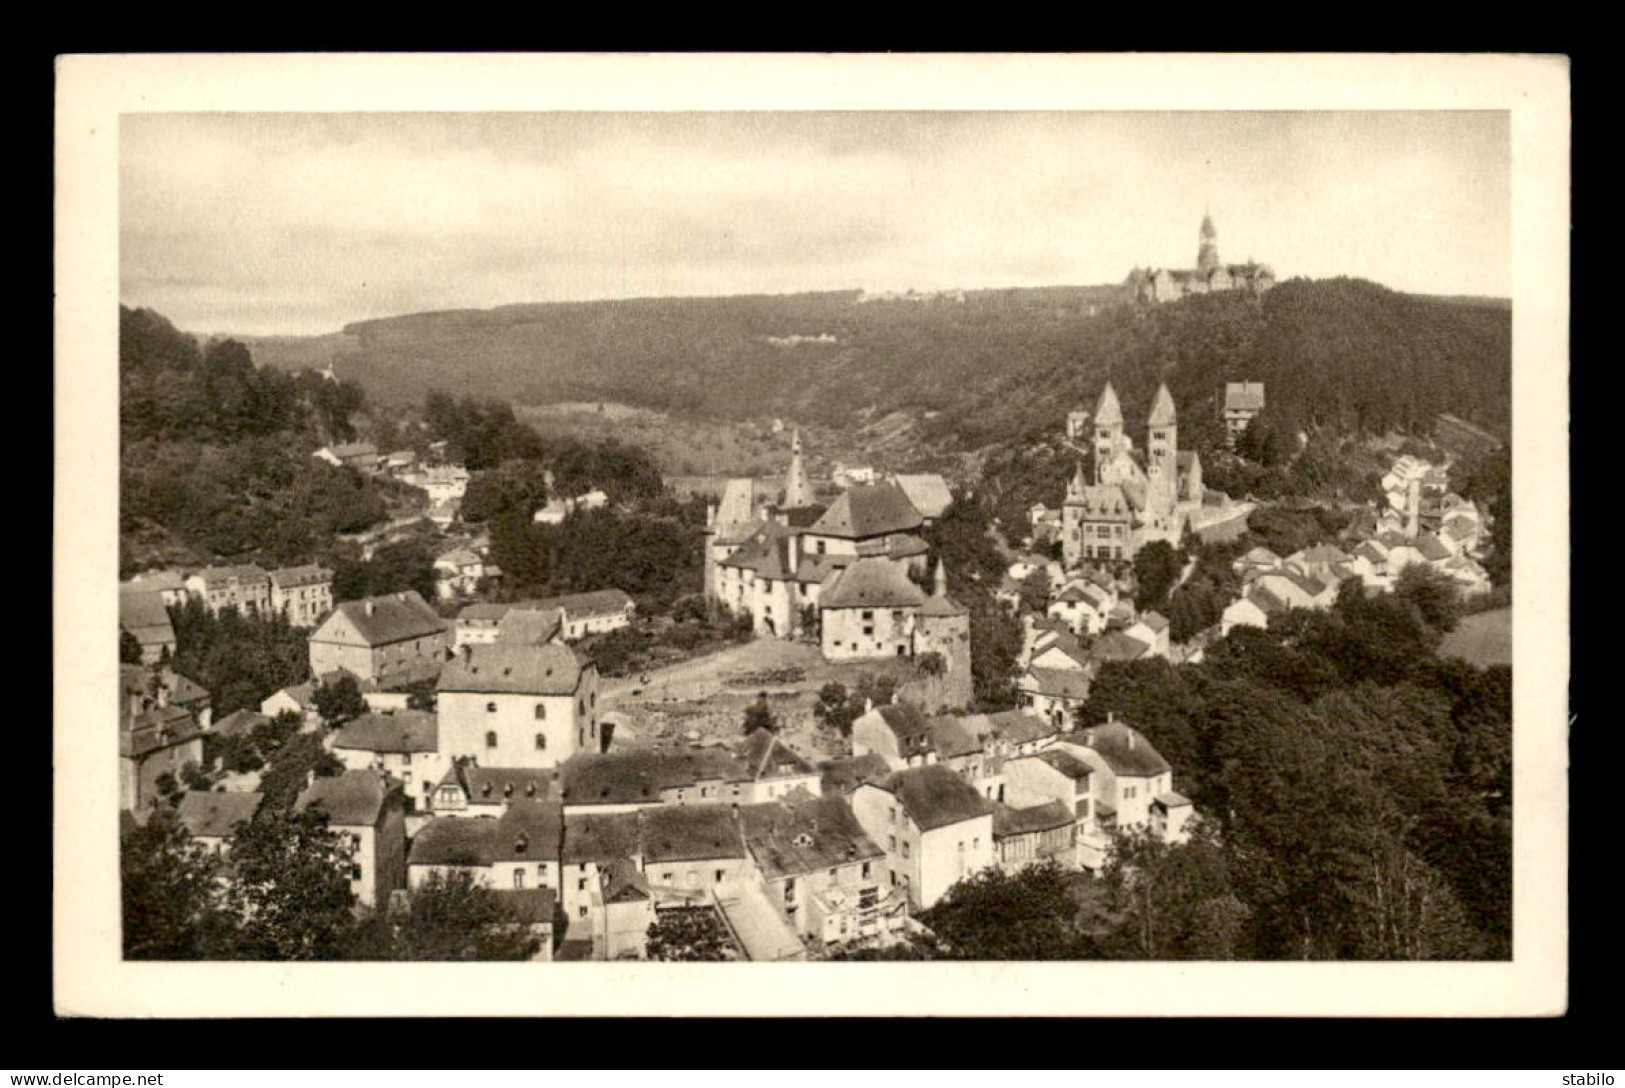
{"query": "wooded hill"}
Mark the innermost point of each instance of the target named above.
(999, 367)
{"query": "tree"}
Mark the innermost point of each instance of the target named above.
(1432, 594)
(759, 715)
(291, 890)
(292, 767)
(129, 649)
(688, 935)
(931, 664)
(340, 700)
(1035, 591)
(451, 917)
(1156, 568)
(1173, 901)
(1032, 914)
(170, 897)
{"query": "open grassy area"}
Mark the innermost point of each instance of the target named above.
(1483, 639)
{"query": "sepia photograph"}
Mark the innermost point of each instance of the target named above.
(1024, 540)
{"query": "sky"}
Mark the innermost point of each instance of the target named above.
(296, 224)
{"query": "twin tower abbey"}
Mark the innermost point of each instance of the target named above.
(1209, 275)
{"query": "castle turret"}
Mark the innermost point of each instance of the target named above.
(1162, 447)
(1207, 251)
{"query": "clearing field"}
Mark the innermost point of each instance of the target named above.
(1482, 639)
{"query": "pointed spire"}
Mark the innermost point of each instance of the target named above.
(1162, 408)
(797, 488)
(942, 579)
(1208, 230)
(1108, 413)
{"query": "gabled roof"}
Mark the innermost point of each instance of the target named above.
(1048, 816)
(400, 731)
(526, 626)
(513, 668)
(393, 618)
(529, 906)
(1020, 727)
(1267, 602)
(1170, 799)
(810, 836)
(529, 831)
(1432, 548)
(846, 773)
(216, 815)
(1118, 646)
(934, 796)
(1321, 553)
(766, 756)
(1125, 750)
(928, 493)
(239, 723)
(309, 575)
(638, 775)
(1372, 550)
(872, 583)
(493, 785)
(219, 576)
(1064, 762)
(351, 799)
(142, 613)
(1244, 396)
(690, 833)
(600, 602)
(909, 725)
(1060, 683)
(600, 838)
(624, 882)
(952, 739)
(453, 840)
(1154, 620)
(868, 510)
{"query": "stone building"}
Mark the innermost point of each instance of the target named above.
(1209, 275)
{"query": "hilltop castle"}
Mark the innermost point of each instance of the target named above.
(1135, 498)
(1209, 275)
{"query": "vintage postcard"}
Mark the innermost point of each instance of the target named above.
(812, 534)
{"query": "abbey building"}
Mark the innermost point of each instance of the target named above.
(1135, 497)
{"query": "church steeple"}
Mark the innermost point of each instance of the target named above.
(1108, 432)
(797, 488)
(1207, 252)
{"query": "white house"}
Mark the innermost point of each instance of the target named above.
(935, 828)
(517, 705)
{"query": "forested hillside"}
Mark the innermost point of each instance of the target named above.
(999, 366)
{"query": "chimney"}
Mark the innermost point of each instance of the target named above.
(372, 606)
(466, 652)
(521, 843)
(1132, 736)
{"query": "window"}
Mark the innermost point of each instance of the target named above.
(490, 739)
(820, 547)
(719, 876)
(583, 910)
(866, 869)
(905, 847)
(868, 616)
(541, 712)
(666, 877)
(490, 708)
(518, 879)
(891, 843)
(541, 741)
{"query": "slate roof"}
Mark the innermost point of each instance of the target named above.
(216, 815)
(600, 602)
(909, 725)
(1104, 502)
(529, 906)
(1244, 396)
(1170, 799)
(766, 756)
(952, 739)
(239, 723)
(1154, 620)
(846, 773)
(1125, 750)
(1015, 726)
(1267, 602)
(309, 575)
(868, 510)
(529, 831)
(1064, 683)
(872, 583)
(1322, 553)
(219, 576)
(394, 618)
(453, 840)
(1048, 816)
(1432, 548)
(815, 569)
(1117, 646)
(513, 668)
(526, 626)
(689, 833)
(398, 731)
(1373, 551)
(1064, 762)
(351, 799)
(1108, 411)
(928, 493)
(639, 775)
(160, 727)
(489, 785)
(1162, 408)
(142, 613)
(600, 838)
(624, 882)
(486, 612)
(805, 837)
(934, 796)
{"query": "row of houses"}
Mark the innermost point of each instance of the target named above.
(304, 594)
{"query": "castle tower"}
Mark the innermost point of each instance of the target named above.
(942, 626)
(1108, 428)
(1162, 448)
(1207, 252)
(797, 489)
